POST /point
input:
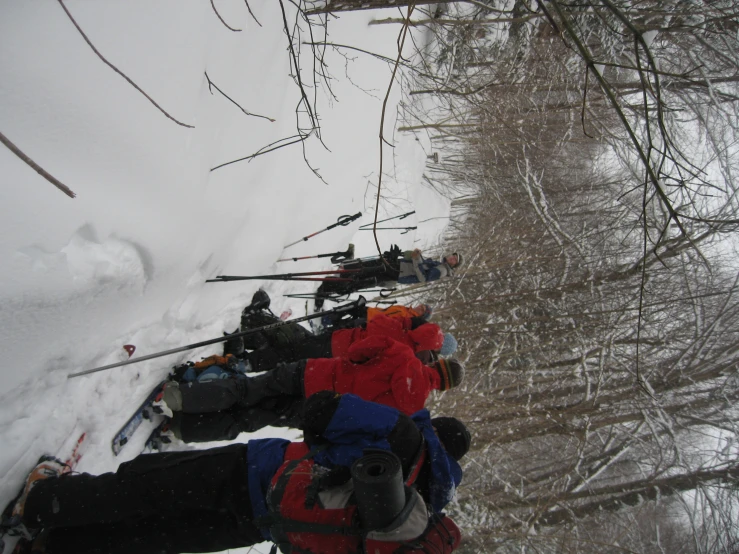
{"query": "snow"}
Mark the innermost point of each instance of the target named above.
(125, 262)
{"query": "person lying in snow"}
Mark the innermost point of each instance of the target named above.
(292, 342)
(225, 425)
(394, 267)
(377, 368)
(289, 345)
(266, 489)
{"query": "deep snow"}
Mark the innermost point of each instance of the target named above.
(125, 262)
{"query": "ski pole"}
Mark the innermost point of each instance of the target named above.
(402, 216)
(358, 303)
(344, 220)
(302, 276)
(387, 228)
(336, 257)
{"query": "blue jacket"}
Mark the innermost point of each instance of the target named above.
(355, 425)
(429, 268)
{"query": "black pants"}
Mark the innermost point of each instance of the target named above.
(223, 394)
(371, 273)
(227, 425)
(277, 337)
(312, 346)
(167, 503)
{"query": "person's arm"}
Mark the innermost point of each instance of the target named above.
(348, 425)
(368, 348)
(410, 387)
(417, 268)
(428, 336)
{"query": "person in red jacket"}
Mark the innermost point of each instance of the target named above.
(378, 369)
(412, 332)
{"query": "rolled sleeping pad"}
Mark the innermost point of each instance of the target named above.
(378, 488)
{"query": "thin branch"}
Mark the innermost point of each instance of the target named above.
(251, 13)
(114, 68)
(212, 84)
(266, 149)
(222, 21)
(53, 180)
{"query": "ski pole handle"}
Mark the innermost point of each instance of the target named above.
(345, 220)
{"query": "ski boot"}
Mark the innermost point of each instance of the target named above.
(12, 516)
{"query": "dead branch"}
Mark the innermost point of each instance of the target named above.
(114, 68)
(53, 180)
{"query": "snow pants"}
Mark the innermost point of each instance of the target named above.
(227, 425)
(278, 337)
(196, 501)
(372, 273)
(268, 357)
(285, 380)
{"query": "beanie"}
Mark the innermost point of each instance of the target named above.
(453, 434)
(449, 346)
(460, 259)
(428, 309)
(450, 371)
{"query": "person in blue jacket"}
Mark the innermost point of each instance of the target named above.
(216, 499)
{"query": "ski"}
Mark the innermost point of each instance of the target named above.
(143, 412)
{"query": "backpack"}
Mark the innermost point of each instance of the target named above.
(208, 368)
(299, 524)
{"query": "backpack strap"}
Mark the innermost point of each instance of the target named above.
(417, 463)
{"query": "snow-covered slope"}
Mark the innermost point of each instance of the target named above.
(125, 261)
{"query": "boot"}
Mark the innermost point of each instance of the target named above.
(235, 346)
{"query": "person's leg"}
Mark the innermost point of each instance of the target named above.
(192, 532)
(224, 426)
(312, 346)
(284, 380)
(209, 396)
(167, 486)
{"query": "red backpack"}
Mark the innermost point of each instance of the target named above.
(299, 524)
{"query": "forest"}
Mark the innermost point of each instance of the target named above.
(589, 149)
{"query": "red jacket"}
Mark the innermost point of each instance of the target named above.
(424, 337)
(377, 369)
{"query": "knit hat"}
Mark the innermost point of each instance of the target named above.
(449, 346)
(460, 259)
(450, 371)
(453, 434)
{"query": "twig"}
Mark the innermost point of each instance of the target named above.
(114, 68)
(300, 138)
(212, 84)
(53, 180)
(299, 81)
(219, 17)
(251, 13)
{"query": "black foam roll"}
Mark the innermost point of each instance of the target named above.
(378, 488)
